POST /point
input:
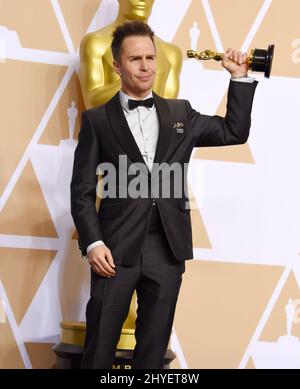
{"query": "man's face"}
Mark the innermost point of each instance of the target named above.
(136, 9)
(137, 66)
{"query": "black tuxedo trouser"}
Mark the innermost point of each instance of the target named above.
(156, 278)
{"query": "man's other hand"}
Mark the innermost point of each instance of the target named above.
(235, 62)
(101, 261)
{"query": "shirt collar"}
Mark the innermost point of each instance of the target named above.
(124, 99)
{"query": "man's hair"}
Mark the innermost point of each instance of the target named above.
(127, 29)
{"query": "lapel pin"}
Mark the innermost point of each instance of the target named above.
(179, 127)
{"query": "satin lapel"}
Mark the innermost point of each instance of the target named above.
(121, 129)
(165, 127)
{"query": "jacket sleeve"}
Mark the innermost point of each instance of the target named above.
(234, 127)
(83, 185)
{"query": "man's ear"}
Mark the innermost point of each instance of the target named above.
(117, 67)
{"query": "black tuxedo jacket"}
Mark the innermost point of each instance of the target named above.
(122, 222)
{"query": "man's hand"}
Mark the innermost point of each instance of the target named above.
(235, 62)
(101, 261)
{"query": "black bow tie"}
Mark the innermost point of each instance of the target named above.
(148, 103)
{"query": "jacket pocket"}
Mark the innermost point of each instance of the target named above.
(111, 210)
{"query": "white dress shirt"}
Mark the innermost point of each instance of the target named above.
(144, 126)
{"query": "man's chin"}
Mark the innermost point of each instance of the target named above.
(145, 84)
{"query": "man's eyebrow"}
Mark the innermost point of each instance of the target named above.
(140, 56)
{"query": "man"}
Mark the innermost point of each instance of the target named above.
(141, 242)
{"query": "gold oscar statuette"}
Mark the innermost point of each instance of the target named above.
(259, 60)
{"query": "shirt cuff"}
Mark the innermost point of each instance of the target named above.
(93, 245)
(250, 80)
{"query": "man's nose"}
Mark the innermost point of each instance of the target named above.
(144, 64)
